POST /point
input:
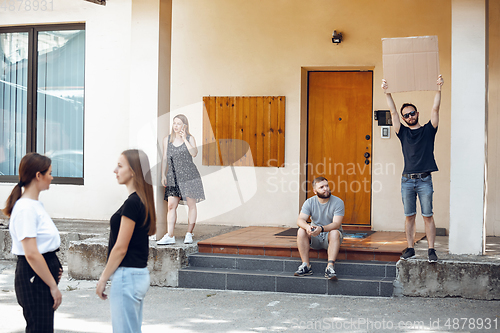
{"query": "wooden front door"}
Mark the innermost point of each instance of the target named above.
(339, 143)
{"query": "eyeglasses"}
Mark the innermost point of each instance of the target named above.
(413, 113)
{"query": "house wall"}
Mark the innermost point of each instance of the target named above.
(121, 97)
(248, 48)
(493, 123)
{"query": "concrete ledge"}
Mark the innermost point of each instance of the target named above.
(5, 244)
(66, 239)
(85, 252)
(448, 278)
(87, 259)
(164, 263)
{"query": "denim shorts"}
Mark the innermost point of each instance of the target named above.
(422, 187)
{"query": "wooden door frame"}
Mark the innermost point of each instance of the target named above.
(304, 124)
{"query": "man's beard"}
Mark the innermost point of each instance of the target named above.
(411, 123)
(324, 196)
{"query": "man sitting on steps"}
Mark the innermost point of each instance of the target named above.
(325, 232)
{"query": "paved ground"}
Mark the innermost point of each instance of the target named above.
(185, 310)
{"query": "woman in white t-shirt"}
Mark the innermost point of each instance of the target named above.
(35, 240)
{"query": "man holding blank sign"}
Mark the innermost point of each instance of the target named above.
(417, 143)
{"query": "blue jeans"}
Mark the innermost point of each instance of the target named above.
(422, 187)
(128, 289)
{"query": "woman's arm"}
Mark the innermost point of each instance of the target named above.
(39, 265)
(191, 146)
(117, 254)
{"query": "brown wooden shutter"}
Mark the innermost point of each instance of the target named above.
(244, 131)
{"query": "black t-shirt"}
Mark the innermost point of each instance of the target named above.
(138, 248)
(418, 148)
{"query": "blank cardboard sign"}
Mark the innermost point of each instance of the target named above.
(411, 63)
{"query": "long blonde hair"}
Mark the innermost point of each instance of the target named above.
(139, 163)
(185, 121)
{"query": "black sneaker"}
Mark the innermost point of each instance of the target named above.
(330, 273)
(432, 255)
(303, 270)
(408, 253)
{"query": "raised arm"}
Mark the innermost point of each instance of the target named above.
(394, 112)
(437, 103)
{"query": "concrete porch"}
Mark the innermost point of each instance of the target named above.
(267, 241)
(476, 277)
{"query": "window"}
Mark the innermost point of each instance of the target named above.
(42, 98)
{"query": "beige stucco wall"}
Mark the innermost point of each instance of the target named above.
(121, 97)
(247, 48)
(493, 171)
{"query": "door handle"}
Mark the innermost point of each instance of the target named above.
(367, 155)
(367, 162)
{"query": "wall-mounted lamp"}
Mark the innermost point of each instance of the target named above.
(336, 37)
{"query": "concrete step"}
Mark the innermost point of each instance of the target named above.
(281, 264)
(275, 274)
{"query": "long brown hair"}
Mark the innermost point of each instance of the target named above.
(185, 121)
(139, 163)
(30, 165)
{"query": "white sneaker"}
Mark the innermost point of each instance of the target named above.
(166, 240)
(189, 238)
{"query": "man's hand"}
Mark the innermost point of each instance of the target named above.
(440, 82)
(313, 231)
(384, 85)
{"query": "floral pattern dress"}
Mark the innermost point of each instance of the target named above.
(183, 178)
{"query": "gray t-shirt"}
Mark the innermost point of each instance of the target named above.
(322, 214)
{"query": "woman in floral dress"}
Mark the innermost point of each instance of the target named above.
(180, 177)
